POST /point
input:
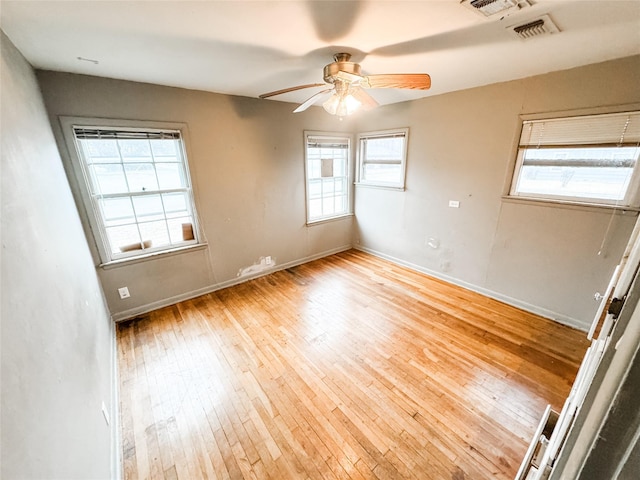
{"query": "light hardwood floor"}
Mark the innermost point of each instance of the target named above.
(348, 367)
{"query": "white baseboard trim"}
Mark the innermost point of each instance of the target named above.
(141, 310)
(116, 440)
(543, 312)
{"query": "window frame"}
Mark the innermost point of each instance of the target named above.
(361, 151)
(348, 177)
(631, 200)
(89, 200)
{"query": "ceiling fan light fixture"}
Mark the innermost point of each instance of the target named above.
(342, 103)
(341, 106)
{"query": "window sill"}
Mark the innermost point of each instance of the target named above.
(326, 220)
(545, 202)
(382, 187)
(151, 256)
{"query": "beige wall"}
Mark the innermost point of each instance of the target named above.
(461, 147)
(57, 335)
(246, 160)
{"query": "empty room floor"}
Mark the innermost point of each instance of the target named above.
(348, 367)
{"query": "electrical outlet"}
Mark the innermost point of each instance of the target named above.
(124, 292)
(454, 203)
(267, 259)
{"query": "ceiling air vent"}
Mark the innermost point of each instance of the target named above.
(489, 8)
(540, 26)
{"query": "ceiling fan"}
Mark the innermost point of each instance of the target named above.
(346, 92)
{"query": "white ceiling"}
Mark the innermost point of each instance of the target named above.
(252, 47)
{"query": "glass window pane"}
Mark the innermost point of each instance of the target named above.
(315, 189)
(100, 151)
(315, 208)
(583, 182)
(108, 179)
(165, 150)
(135, 150)
(315, 168)
(328, 187)
(141, 177)
(148, 207)
(382, 172)
(175, 204)
(123, 238)
(328, 206)
(179, 227)
(156, 232)
(597, 173)
(117, 211)
(385, 148)
(170, 176)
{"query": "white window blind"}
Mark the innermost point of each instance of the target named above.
(584, 159)
(382, 158)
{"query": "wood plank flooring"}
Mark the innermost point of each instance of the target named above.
(348, 367)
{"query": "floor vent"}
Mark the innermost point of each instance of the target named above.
(540, 26)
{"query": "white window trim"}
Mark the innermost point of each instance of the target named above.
(361, 181)
(349, 212)
(93, 216)
(631, 202)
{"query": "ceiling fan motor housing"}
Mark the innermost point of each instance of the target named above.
(341, 64)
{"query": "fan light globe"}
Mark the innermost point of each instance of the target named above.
(341, 106)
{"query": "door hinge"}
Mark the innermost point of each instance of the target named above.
(616, 306)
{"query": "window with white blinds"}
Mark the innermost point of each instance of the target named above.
(382, 158)
(137, 185)
(584, 159)
(327, 167)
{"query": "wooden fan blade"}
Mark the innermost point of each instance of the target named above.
(291, 89)
(367, 101)
(417, 81)
(313, 99)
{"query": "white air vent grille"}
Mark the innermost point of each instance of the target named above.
(489, 8)
(540, 26)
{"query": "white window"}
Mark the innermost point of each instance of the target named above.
(327, 171)
(382, 157)
(585, 159)
(136, 187)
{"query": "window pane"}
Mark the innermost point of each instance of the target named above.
(385, 148)
(315, 208)
(315, 189)
(148, 207)
(117, 211)
(170, 176)
(175, 204)
(165, 150)
(597, 173)
(382, 158)
(100, 151)
(156, 232)
(127, 173)
(315, 168)
(123, 236)
(108, 178)
(141, 177)
(328, 206)
(135, 150)
(384, 173)
(328, 188)
(176, 228)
